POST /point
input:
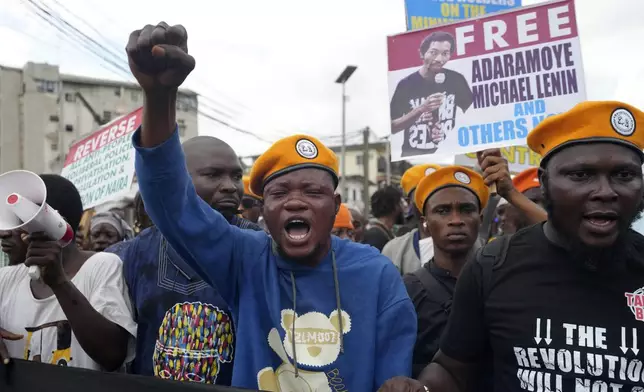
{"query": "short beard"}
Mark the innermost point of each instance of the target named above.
(627, 247)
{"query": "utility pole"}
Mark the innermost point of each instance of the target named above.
(342, 79)
(388, 160)
(365, 164)
(343, 149)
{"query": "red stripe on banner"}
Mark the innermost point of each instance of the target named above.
(121, 127)
(527, 26)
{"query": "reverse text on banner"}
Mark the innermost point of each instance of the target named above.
(102, 164)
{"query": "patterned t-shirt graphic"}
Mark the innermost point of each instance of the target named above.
(185, 329)
(194, 339)
(426, 133)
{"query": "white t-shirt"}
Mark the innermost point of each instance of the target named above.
(47, 334)
(426, 248)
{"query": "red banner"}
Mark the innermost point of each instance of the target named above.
(121, 127)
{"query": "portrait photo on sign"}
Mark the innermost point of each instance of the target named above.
(482, 83)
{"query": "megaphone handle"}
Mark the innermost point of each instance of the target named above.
(34, 272)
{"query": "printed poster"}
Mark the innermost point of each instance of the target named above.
(102, 164)
(422, 14)
(519, 158)
(482, 83)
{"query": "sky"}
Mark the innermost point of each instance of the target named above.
(269, 66)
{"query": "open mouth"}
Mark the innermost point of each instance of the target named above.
(601, 220)
(297, 229)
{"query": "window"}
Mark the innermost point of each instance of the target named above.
(70, 97)
(117, 92)
(182, 127)
(54, 146)
(382, 164)
(46, 86)
(186, 103)
(69, 128)
(53, 118)
(107, 116)
(134, 95)
(355, 196)
(359, 160)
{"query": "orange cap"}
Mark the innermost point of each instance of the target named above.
(247, 191)
(343, 219)
(588, 122)
(291, 153)
(412, 176)
(451, 176)
(527, 179)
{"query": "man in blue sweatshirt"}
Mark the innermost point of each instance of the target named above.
(313, 312)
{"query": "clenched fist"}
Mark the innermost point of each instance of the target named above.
(495, 171)
(158, 57)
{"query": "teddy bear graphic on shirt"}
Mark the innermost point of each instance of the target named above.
(317, 344)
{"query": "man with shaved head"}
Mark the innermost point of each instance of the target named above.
(165, 291)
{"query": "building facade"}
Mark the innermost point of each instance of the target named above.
(42, 112)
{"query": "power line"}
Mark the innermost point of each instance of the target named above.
(240, 130)
(49, 16)
(115, 53)
(65, 34)
(199, 80)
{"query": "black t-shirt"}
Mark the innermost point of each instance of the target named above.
(376, 237)
(412, 91)
(431, 311)
(552, 324)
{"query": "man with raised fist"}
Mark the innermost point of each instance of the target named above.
(312, 312)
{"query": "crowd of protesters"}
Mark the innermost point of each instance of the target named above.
(270, 282)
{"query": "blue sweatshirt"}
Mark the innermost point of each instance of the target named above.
(351, 333)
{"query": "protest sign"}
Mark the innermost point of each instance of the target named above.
(102, 164)
(483, 83)
(519, 158)
(422, 14)
(29, 376)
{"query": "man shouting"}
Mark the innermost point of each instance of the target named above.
(312, 312)
(558, 306)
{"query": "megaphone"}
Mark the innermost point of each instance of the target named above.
(23, 206)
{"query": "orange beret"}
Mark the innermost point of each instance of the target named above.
(451, 176)
(412, 176)
(587, 122)
(247, 192)
(292, 153)
(343, 219)
(527, 179)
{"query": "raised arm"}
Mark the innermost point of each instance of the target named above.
(159, 60)
(495, 171)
